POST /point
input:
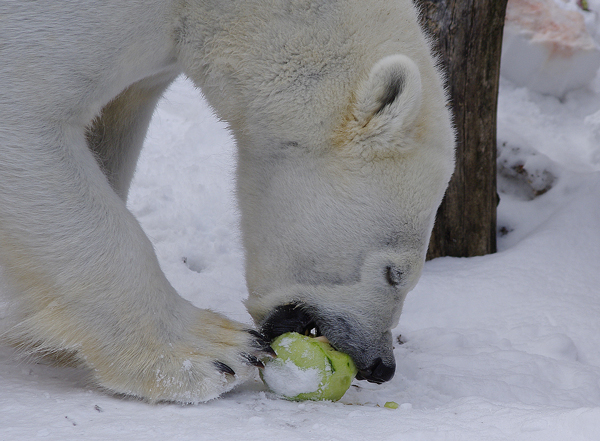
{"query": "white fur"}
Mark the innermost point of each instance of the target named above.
(333, 189)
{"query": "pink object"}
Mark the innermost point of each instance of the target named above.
(547, 48)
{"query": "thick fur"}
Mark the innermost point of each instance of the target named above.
(345, 149)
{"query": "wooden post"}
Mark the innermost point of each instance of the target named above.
(468, 40)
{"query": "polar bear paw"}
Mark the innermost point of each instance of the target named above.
(186, 357)
(216, 355)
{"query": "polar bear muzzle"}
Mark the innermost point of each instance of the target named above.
(373, 357)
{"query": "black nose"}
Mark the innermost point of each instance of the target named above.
(378, 372)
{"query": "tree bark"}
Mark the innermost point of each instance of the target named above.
(467, 37)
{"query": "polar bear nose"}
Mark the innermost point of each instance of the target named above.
(378, 372)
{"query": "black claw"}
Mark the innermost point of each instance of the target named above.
(261, 343)
(270, 352)
(252, 360)
(223, 368)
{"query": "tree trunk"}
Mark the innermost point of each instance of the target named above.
(468, 38)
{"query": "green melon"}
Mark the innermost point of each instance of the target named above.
(307, 368)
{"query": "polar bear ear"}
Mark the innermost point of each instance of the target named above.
(389, 100)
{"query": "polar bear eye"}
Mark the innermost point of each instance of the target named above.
(393, 275)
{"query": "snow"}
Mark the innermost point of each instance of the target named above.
(499, 347)
(288, 380)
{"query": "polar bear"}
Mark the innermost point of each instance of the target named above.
(345, 149)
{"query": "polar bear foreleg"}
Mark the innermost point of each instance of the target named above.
(86, 280)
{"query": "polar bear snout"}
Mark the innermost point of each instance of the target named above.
(372, 356)
(356, 316)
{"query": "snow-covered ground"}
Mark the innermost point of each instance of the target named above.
(500, 347)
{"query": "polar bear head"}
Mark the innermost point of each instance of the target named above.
(336, 235)
(345, 149)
